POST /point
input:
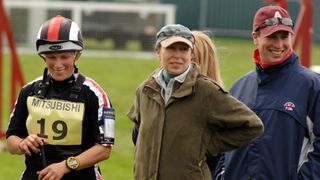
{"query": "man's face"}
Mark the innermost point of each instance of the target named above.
(274, 47)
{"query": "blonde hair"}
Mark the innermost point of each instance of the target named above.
(205, 55)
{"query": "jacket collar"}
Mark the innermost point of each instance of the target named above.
(180, 78)
(257, 59)
(153, 89)
(267, 74)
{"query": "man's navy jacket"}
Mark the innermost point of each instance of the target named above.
(287, 99)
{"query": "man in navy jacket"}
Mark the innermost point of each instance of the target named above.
(286, 96)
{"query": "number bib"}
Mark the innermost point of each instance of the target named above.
(59, 121)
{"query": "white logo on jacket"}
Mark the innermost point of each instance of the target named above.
(289, 106)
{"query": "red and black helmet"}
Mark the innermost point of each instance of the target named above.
(59, 34)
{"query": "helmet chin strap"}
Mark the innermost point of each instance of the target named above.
(75, 69)
(44, 84)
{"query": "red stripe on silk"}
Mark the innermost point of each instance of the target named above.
(104, 97)
(54, 28)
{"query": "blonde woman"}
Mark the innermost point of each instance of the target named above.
(205, 55)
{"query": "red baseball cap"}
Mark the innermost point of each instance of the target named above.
(270, 19)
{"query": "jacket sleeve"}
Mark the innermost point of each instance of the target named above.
(17, 123)
(134, 112)
(233, 123)
(134, 115)
(310, 168)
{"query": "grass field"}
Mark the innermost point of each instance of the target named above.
(120, 77)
